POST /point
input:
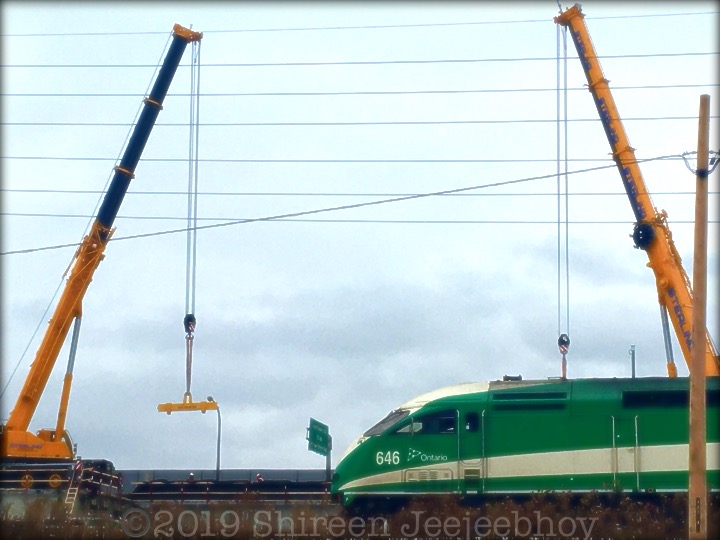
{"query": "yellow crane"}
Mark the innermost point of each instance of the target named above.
(651, 232)
(17, 442)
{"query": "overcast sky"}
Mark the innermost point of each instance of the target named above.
(340, 315)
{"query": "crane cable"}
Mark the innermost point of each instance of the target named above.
(562, 193)
(189, 321)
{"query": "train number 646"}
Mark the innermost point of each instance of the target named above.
(388, 458)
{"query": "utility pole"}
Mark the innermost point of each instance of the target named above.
(697, 464)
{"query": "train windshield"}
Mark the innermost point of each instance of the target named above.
(390, 420)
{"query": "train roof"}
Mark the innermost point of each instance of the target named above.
(477, 387)
(454, 390)
(469, 388)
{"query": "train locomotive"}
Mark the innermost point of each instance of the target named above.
(527, 436)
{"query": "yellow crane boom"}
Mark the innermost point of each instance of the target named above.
(651, 229)
(16, 440)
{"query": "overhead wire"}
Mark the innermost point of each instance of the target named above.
(334, 208)
(372, 123)
(358, 27)
(364, 92)
(291, 160)
(335, 194)
(362, 62)
(415, 221)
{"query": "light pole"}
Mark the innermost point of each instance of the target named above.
(219, 432)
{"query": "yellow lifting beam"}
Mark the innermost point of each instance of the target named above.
(188, 405)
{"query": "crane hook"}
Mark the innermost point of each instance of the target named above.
(564, 346)
(189, 322)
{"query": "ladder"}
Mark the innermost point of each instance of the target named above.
(70, 498)
(73, 487)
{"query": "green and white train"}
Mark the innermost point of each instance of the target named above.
(515, 437)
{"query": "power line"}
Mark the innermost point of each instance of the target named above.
(365, 92)
(334, 161)
(332, 194)
(362, 27)
(332, 209)
(405, 221)
(379, 221)
(376, 123)
(355, 62)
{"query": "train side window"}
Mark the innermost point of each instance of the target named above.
(436, 423)
(472, 421)
(662, 399)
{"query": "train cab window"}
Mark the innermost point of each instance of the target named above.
(472, 422)
(390, 420)
(409, 428)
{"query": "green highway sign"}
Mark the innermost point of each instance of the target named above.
(318, 438)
